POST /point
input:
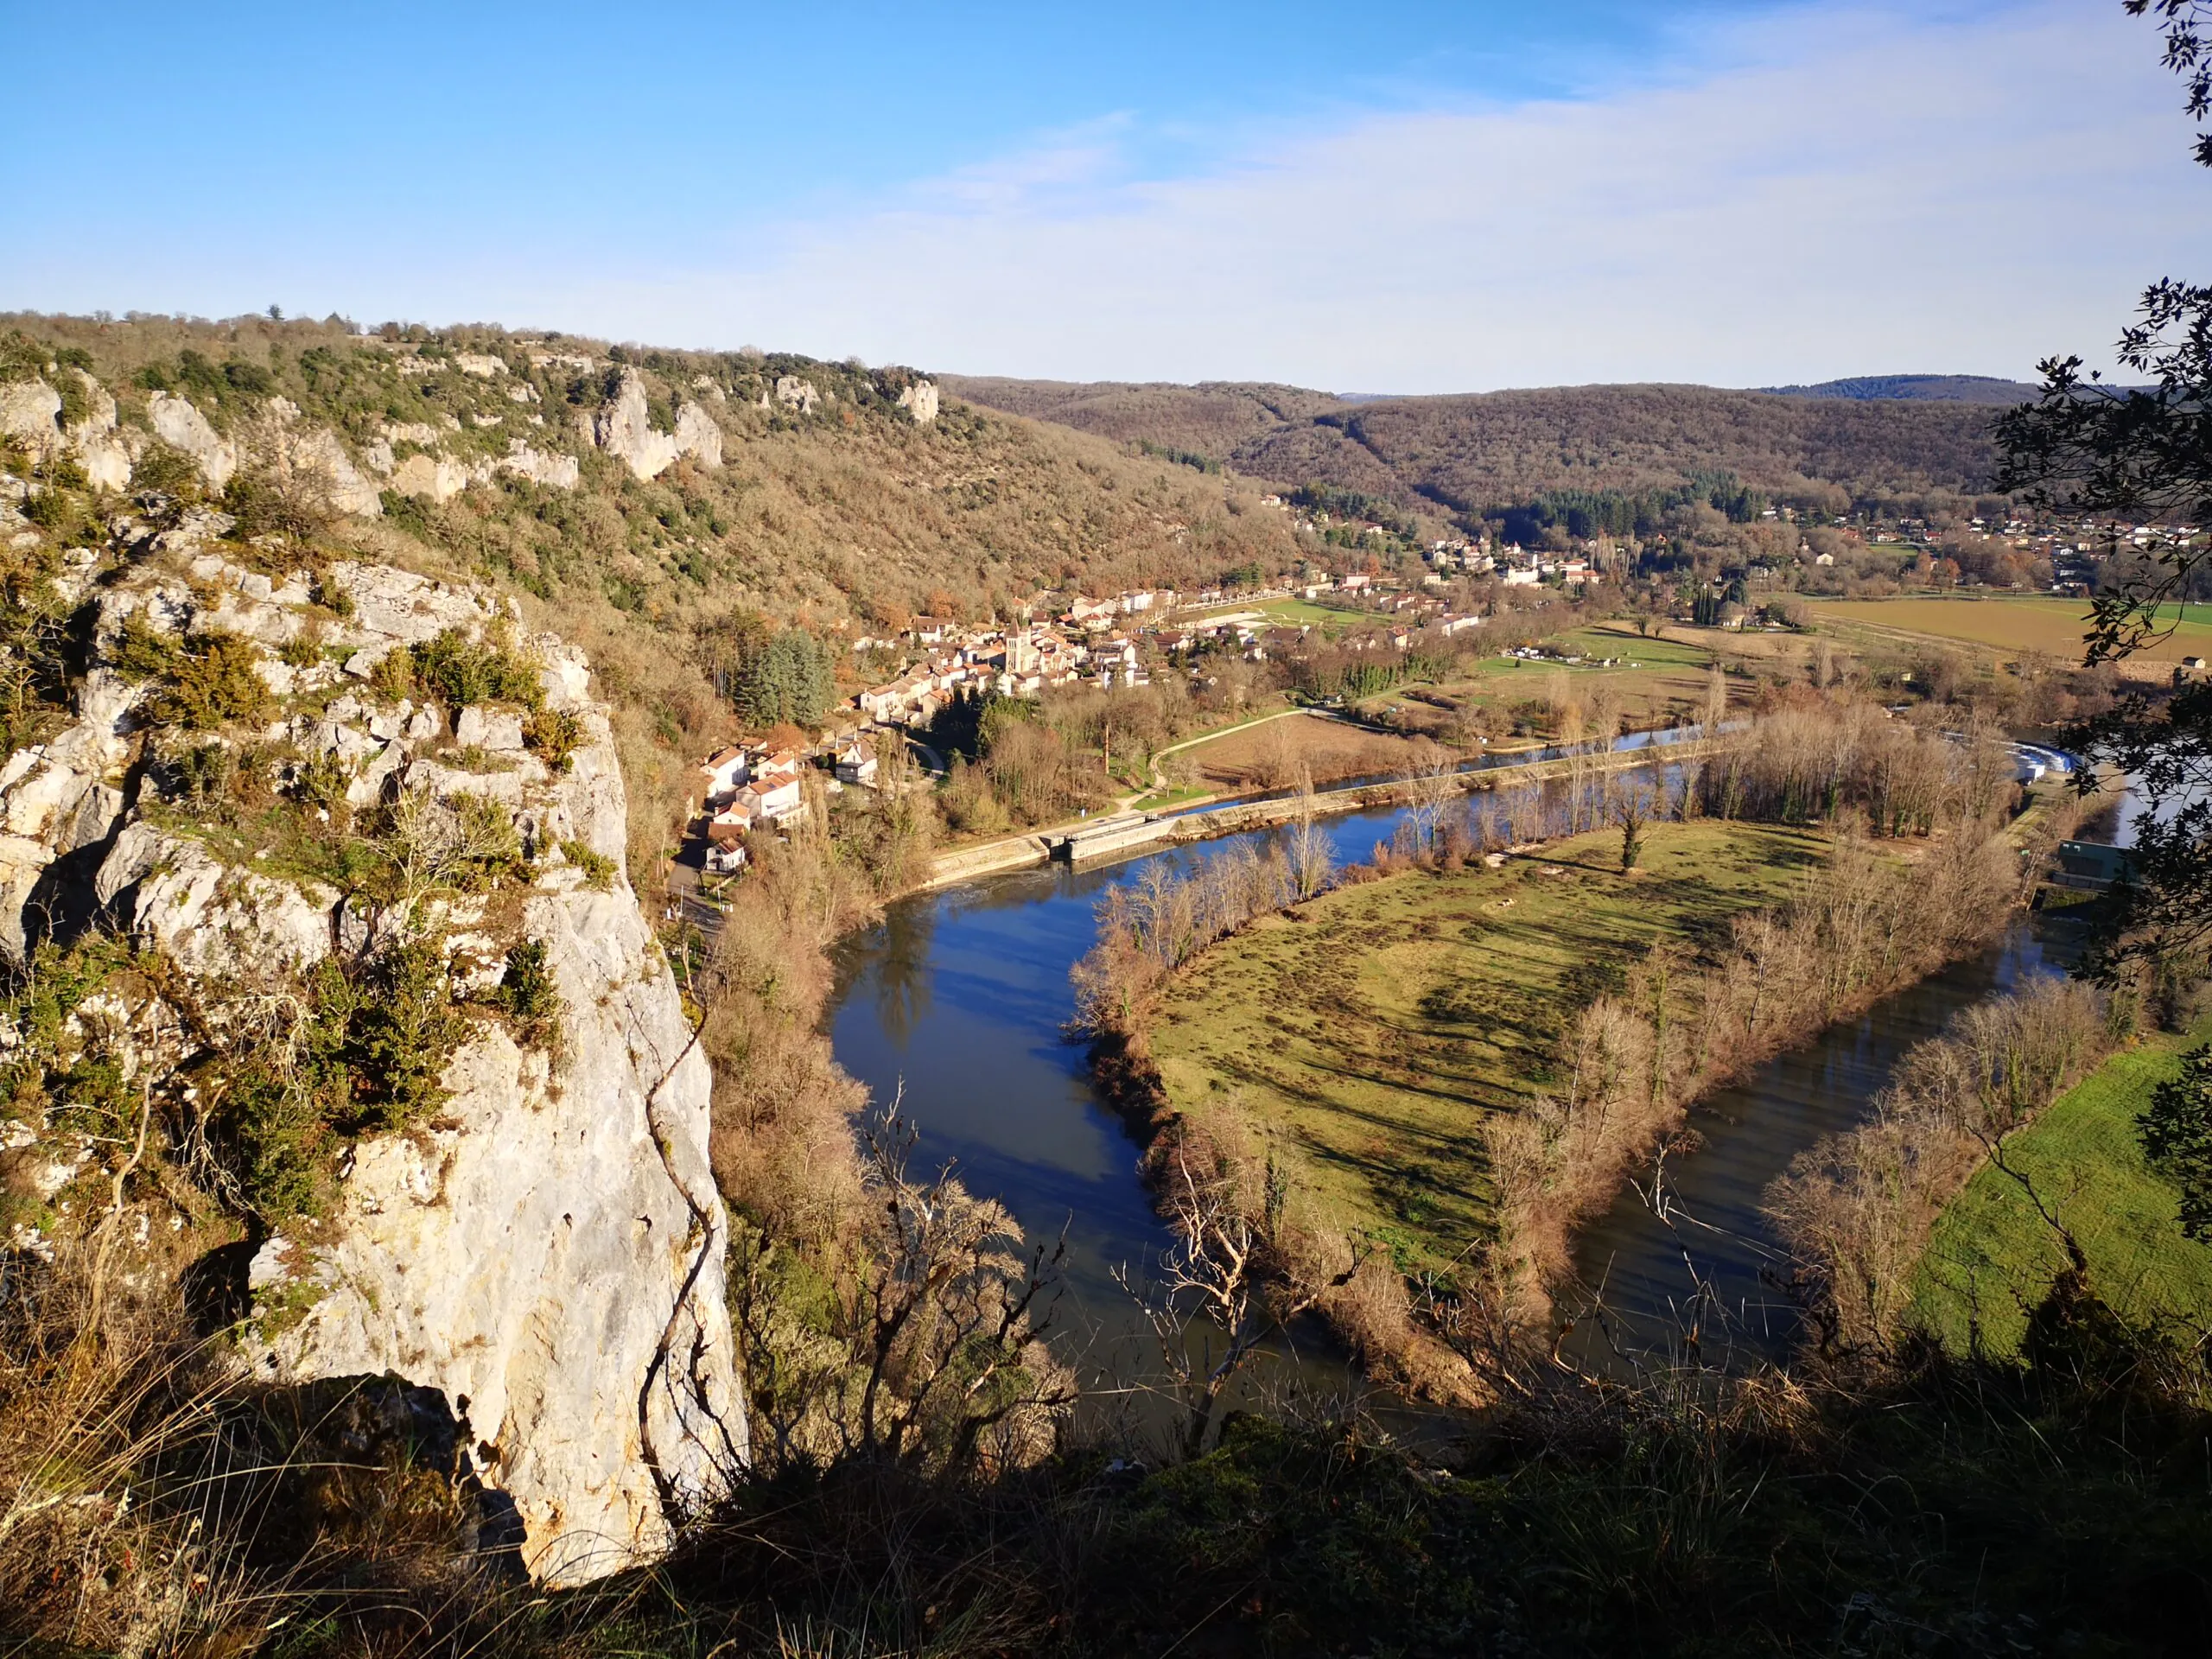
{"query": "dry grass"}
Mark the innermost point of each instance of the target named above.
(2050, 627)
(1269, 756)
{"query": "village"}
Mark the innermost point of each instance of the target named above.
(1436, 590)
(1108, 643)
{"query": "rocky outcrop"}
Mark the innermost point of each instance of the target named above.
(545, 1252)
(31, 415)
(623, 429)
(178, 424)
(549, 467)
(795, 393)
(290, 446)
(442, 477)
(698, 436)
(920, 400)
(93, 441)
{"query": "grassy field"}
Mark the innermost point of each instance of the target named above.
(1368, 1040)
(2051, 627)
(1285, 611)
(1653, 677)
(1992, 1258)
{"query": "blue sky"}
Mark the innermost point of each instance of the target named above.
(1384, 196)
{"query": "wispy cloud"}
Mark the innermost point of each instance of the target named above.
(1846, 191)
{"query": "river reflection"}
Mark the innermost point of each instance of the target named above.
(961, 999)
(1684, 1267)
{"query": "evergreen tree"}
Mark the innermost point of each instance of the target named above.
(788, 679)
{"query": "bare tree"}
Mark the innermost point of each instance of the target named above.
(1312, 859)
(931, 1352)
(1633, 808)
(1432, 778)
(1716, 700)
(1218, 1273)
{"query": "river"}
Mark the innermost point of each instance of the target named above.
(958, 1001)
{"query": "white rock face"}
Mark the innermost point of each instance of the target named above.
(484, 367)
(623, 430)
(542, 466)
(432, 475)
(178, 424)
(552, 1249)
(30, 413)
(94, 443)
(795, 393)
(920, 400)
(548, 1253)
(698, 436)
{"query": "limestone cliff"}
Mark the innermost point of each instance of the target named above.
(276, 782)
(623, 429)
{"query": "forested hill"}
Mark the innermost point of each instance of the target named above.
(1458, 454)
(1917, 388)
(1210, 419)
(806, 489)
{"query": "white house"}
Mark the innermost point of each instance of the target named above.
(721, 775)
(772, 796)
(856, 762)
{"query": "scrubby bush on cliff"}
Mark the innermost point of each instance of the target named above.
(459, 671)
(210, 682)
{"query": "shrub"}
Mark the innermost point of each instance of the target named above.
(490, 846)
(201, 773)
(266, 501)
(142, 652)
(400, 1029)
(528, 996)
(212, 682)
(553, 735)
(598, 868)
(56, 512)
(461, 672)
(165, 470)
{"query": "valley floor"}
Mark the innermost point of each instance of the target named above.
(1369, 1033)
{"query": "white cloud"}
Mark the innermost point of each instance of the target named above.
(1851, 192)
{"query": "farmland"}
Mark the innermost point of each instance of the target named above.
(2050, 627)
(1652, 680)
(1270, 754)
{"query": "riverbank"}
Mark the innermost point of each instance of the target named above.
(1235, 817)
(1460, 1092)
(1370, 1034)
(1991, 1257)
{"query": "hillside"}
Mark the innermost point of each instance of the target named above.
(640, 502)
(822, 489)
(1210, 419)
(1917, 388)
(1464, 455)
